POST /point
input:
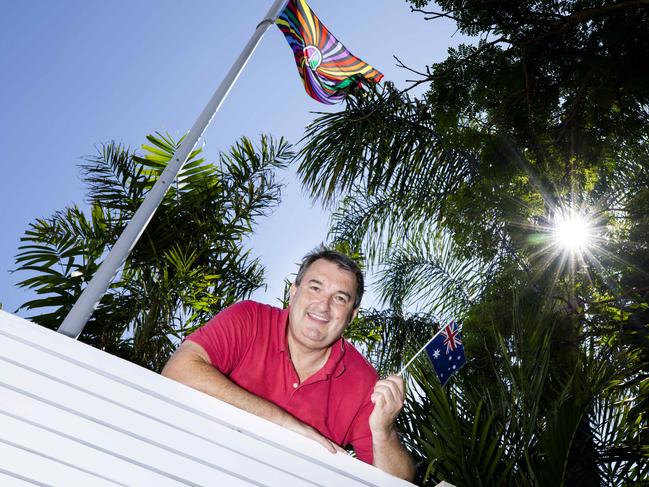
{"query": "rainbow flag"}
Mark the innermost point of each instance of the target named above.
(328, 70)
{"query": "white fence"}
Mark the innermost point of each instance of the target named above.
(73, 415)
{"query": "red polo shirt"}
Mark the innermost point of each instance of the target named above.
(247, 343)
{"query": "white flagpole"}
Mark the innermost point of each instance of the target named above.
(420, 350)
(75, 321)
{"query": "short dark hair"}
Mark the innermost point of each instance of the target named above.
(343, 261)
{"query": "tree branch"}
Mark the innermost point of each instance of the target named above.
(570, 20)
(436, 15)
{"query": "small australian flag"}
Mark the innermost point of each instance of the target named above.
(446, 352)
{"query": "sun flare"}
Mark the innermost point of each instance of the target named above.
(571, 239)
(572, 231)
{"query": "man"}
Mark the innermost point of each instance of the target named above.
(293, 367)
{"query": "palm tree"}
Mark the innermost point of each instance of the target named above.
(189, 263)
(534, 405)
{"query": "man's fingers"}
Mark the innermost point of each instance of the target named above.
(329, 445)
(388, 390)
(339, 449)
(378, 399)
(388, 397)
(397, 386)
(312, 433)
(324, 442)
(385, 394)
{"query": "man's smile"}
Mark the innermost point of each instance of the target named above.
(317, 317)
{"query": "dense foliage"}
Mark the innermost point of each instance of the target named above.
(189, 263)
(456, 198)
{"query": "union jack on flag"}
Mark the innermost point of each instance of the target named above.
(451, 334)
(446, 352)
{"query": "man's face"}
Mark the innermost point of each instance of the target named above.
(322, 305)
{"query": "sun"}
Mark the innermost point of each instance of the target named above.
(570, 240)
(572, 231)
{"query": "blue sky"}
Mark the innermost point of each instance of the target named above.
(76, 73)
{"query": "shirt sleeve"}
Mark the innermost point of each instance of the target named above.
(360, 436)
(227, 337)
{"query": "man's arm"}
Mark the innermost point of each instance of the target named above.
(389, 454)
(191, 366)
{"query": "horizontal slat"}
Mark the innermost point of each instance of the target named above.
(47, 431)
(12, 480)
(45, 471)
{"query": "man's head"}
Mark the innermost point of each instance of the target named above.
(324, 299)
(343, 262)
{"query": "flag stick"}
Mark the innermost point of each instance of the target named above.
(76, 319)
(420, 350)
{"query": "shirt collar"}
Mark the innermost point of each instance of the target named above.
(335, 364)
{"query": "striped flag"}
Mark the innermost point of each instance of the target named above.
(328, 70)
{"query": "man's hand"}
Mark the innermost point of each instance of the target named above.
(388, 397)
(389, 454)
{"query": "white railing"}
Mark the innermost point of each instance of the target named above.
(73, 415)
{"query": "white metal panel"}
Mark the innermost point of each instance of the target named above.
(49, 432)
(128, 422)
(120, 432)
(140, 414)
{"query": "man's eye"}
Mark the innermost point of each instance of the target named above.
(314, 288)
(341, 299)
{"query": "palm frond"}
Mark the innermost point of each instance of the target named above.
(376, 223)
(190, 262)
(430, 275)
(62, 253)
(385, 141)
(389, 338)
(194, 173)
(114, 179)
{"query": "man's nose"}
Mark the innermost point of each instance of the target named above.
(325, 301)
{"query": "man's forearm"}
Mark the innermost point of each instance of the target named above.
(200, 375)
(190, 365)
(391, 456)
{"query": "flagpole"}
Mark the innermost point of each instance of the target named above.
(76, 319)
(420, 350)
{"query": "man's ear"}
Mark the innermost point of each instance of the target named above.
(354, 314)
(291, 292)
